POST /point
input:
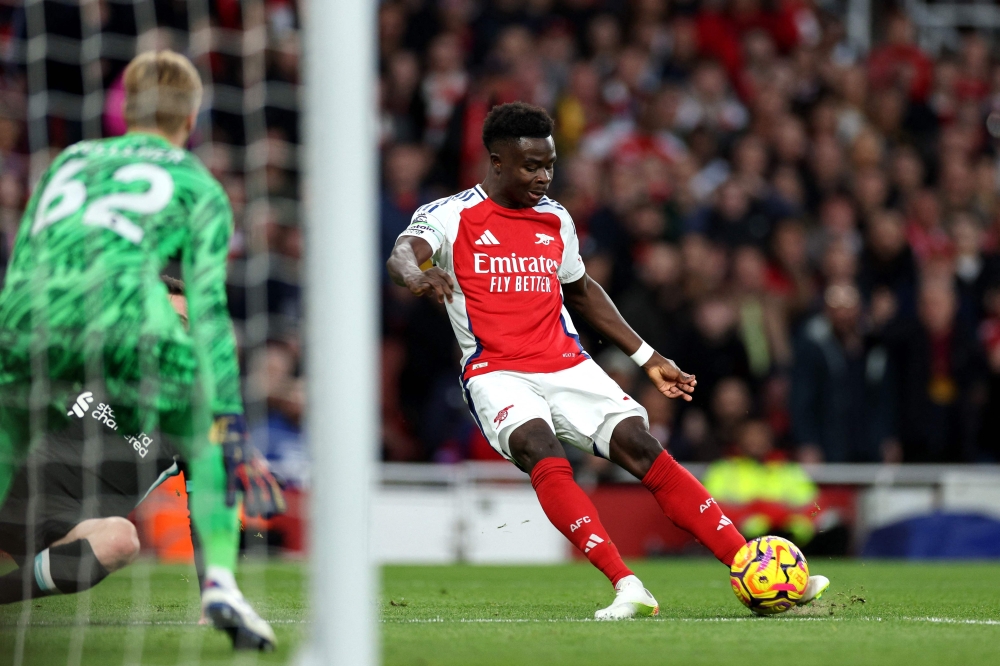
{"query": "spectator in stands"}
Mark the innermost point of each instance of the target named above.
(709, 102)
(405, 168)
(940, 368)
(734, 219)
(655, 305)
(989, 338)
(973, 269)
(712, 348)
(760, 490)
(842, 386)
(888, 263)
(762, 324)
(687, 132)
(731, 406)
(790, 277)
(280, 437)
(899, 62)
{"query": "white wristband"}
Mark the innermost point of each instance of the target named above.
(644, 353)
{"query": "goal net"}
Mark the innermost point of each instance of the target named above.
(62, 83)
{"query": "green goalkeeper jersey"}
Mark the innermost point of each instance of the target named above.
(84, 279)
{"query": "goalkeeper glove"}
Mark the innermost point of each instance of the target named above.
(246, 469)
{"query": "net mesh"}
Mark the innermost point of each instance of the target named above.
(61, 83)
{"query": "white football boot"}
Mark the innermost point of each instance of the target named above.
(223, 604)
(631, 600)
(814, 589)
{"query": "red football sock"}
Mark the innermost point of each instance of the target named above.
(573, 514)
(691, 508)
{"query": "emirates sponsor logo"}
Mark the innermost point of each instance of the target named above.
(489, 265)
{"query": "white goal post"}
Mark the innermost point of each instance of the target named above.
(341, 297)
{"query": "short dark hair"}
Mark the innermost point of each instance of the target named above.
(175, 287)
(510, 122)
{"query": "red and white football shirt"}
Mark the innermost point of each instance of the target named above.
(508, 266)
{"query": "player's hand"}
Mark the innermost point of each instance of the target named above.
(432, 281)
(670, 380)
(246, 469)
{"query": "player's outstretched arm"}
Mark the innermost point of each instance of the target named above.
(204, 270)
(204, 267)
(404, 265)
(593, 303)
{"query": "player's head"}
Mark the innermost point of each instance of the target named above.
(175, 292)
(518, 137)
(162, 93)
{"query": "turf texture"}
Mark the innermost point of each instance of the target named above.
(875, 613)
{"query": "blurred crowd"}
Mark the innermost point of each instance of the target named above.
(811, 229)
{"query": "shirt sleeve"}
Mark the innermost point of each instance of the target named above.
(204, 269)
(426, 226)
(571, 269)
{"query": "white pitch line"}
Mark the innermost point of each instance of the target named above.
(567, 620)
(950, 620)
(932, 620)
(137, 623)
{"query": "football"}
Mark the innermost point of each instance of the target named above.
(769, 574)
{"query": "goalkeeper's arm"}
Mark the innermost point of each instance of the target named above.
(204, 267)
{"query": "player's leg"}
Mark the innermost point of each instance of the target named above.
(187, 428)
(537, 451)
(515, 418)
(217, 526)
(586, 404)
(114, 540)
(682, 497)
(78, 561)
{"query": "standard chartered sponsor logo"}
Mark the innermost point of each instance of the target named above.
(140, 443)
(81, 405)
(486, 264)
(104, 414)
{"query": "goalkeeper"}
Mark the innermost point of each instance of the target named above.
(84, 312)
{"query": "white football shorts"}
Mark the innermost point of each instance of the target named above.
(581, 404)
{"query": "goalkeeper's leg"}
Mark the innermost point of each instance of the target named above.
(218, 530)
(218, 525)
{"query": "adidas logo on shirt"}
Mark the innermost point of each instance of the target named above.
(722, 523)
(487, 239)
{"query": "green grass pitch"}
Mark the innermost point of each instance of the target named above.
(875, 613)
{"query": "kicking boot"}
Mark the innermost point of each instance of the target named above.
(631, 600)
(814, 589)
